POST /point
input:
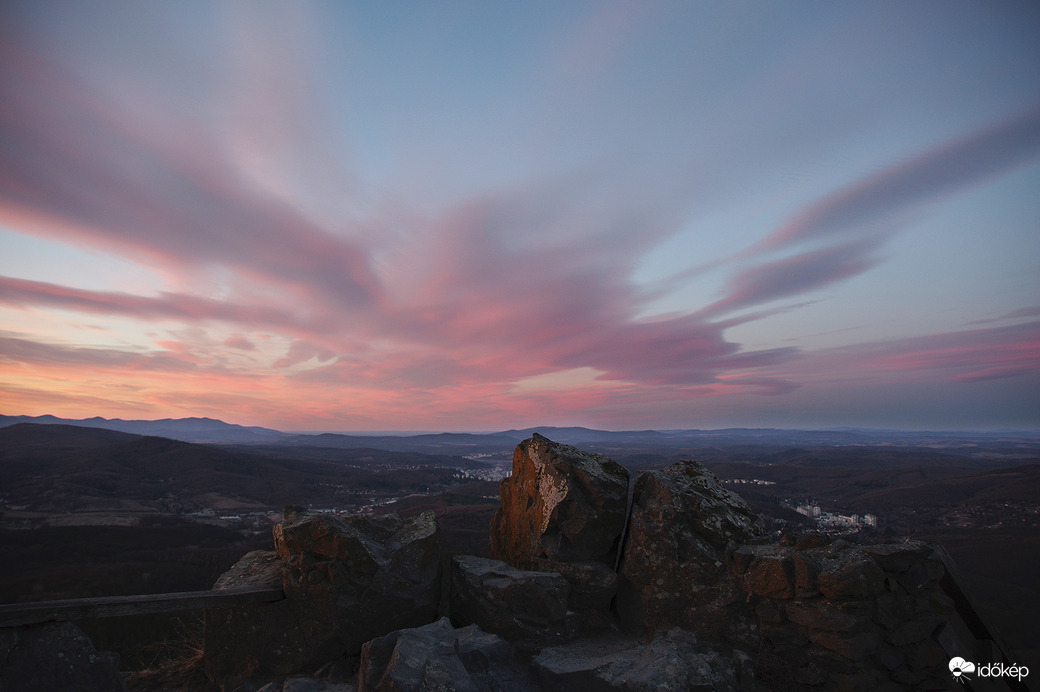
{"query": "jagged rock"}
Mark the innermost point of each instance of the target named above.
(891, 658)
(850, 574)
(672, 566)
(261, 568)
(897, 557)
(439, 657)
(854, 646)
(740, 558)
(346, 580)
(592, 584)
(592, 589)
(378, 573)
(559, 504)
(668, 662)
(769, 612)
(528, 608)
(891, 610)
(55, 656)
(876, 623)
(806, 573)
(811, 541)
(237, 640)
(912, 631)
(820, 614)
(772, 576)
(921, 574)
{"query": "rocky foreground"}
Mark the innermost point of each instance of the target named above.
(591, 586)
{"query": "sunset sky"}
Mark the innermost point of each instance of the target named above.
(484, 215)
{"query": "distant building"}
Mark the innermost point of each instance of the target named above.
(812, 511)
(832, 519)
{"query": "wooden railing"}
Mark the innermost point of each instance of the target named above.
(18, 614)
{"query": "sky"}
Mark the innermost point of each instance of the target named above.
(482, 215)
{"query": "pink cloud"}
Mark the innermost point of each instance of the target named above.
(301, 351)
(29, 294)
(962, 356)
(969, 356)
(15, 350)
(70, 156)
(239, 341)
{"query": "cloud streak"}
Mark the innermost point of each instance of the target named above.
(969, 160)
(853, 223)
(960, 357)
(793, 276)
(71, 159)
(167, 306)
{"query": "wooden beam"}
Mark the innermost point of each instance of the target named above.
(17, 614)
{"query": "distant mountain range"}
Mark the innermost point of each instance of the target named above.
(61, 468)
(209, 430)
(183, 429)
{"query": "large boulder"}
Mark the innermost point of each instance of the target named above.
(439, 657)
(560, 504)
(840, 615)
(672, 570)
(528, 608)
(850, 575)
(260, 568)
(346, 580)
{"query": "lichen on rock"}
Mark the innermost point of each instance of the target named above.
(672, 566)
(559, 504)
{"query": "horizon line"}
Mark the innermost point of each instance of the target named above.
(408, 432)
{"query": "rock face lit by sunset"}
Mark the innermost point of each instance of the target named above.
(475, 216)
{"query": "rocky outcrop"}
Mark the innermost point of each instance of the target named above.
(528, 608)
(560, 504)
(379, 572)
(672, 567)
(439, 657)
(670, 662)
(592, 587)
(257, 568)
(837, 614)
(55, 656)
(696, 583)
(346, 580)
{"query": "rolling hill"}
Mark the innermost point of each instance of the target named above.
(59, 468)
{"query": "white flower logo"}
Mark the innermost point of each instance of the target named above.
(959, 667)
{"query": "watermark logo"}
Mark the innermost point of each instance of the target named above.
(962, 670)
